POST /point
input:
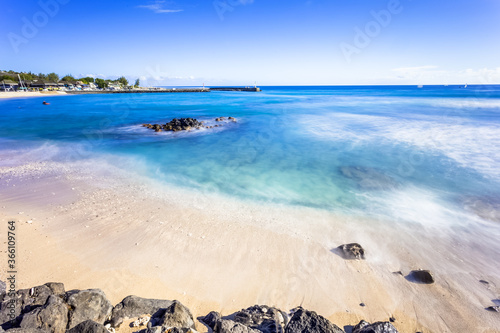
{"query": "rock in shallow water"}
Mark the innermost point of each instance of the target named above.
(351, 251)
(183, 124)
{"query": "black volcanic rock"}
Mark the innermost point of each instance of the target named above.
(352, 251)
(133, 306)
(421, 276)
(262, 317)
(378, 327)
(26, 300)
(51, 317)
(304, 321)
(90, 304)
(184, 124)
(211, 319)
(88, 326)
(176, 315)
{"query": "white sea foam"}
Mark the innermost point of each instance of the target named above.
(471, 144)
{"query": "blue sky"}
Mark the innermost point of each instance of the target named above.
(242, 41)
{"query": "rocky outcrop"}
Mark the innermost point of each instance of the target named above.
(49, 309)
(263, 318)
(351, 251)
(184, 124)
(25, 301)
(378, 327)
(133, 306)
(88, 326)
(257, 318)
(176, 315)
(51, 317)
(90, 304)
(420, 276)
(304, 321)
(211, 319)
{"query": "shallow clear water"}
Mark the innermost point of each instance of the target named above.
(407, 153)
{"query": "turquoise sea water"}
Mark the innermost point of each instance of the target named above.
(428, 154)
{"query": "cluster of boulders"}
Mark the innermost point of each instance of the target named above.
(51, 309)
(185, 124)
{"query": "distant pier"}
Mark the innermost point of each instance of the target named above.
(235, 89)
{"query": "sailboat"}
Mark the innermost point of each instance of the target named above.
(465, 85)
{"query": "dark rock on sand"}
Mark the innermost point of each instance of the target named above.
(133, 306)
(88, 326)
(495, 308)
(378, 327)
(90, 304)
(211, 319)
(51, 317)
(352, 251)
(263, 318)
(420, 276)
(26, 300)
(230, 326)
(176, 315)
(368, 178)
(310, 322)
(26, 330)
(56, 288)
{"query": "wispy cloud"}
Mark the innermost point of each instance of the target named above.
(158, 8)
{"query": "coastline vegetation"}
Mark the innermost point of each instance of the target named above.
(53, 77)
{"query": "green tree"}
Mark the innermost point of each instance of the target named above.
(53, 77)
(101, 83)
(87, 79)
(122, 80)
(42, 76)
(137, 83)
(68, 77)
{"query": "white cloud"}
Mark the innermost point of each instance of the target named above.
(157, 7)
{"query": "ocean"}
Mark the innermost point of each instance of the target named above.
(428, 156)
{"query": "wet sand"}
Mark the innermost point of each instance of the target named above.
(92, 226)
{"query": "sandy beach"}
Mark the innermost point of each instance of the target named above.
(23, 94)
(94, 227)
